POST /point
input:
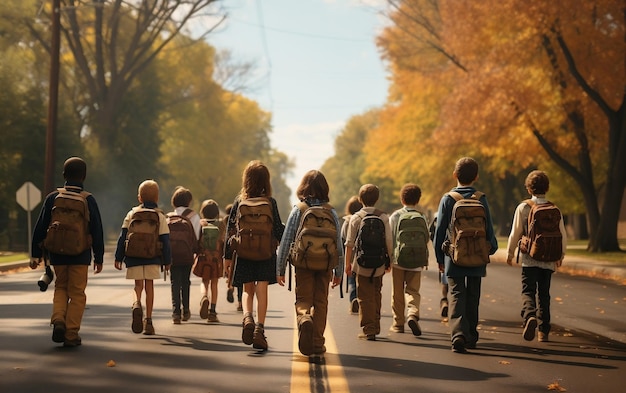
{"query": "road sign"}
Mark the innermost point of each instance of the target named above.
(28, 196)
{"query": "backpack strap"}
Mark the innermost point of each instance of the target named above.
(457, 195)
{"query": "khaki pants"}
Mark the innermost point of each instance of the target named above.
(405, 290)
(69, 299)
(369, 294)
(312, 298)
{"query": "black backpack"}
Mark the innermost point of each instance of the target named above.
(371, 246)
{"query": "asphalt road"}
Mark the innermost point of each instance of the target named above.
(587, 351)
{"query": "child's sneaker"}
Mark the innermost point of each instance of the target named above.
(305, 335)
(239, 307)
(529, 329)
(542, 337)
(176, 319)
(259, 341)
(58, 332)
(186, 315)
(415, 326)
(212, 318)
(354, 306)
(148, 329)
(204, 307)
(137, 325)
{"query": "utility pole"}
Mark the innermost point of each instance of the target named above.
(53, 99)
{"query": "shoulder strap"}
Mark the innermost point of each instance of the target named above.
(529, 202)
(477, 195)
(456, 195)
(187, 213)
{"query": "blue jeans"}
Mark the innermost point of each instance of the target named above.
(180, 287)
(464, 298)
(352, 286)
(536, 296)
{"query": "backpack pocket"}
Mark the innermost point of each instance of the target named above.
(472, 249)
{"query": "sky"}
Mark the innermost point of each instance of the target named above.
(316, 65)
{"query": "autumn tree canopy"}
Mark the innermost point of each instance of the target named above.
(516, 84)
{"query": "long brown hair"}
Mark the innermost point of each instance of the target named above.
(255, 181)
(313, 185)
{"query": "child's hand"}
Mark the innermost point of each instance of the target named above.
(509, 261)
(167, 267)
(280, 280)
(336, 281)
(97, 268)
(118, 265)
(34, 262)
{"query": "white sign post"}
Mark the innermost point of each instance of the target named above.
(28, 196)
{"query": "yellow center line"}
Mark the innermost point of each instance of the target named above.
(309, 377)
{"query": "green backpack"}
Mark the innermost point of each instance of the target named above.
(412, 237)
(209, 235)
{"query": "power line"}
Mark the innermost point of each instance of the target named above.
(259, 12)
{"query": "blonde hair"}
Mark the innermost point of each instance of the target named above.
(149, 191)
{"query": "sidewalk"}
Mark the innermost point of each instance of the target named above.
(582, 266)
(573, 265)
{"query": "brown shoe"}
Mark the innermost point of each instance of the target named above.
(259, 341)
(204, 307)
(542, 337)
(305, 335)
(58, 332)
(137, 325)
(212, 318)
(247, 335)
(73, 342)
(148, 329)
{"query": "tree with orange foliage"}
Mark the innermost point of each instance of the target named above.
(531, 77)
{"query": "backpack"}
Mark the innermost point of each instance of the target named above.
(210, 251)
(183, 241)
(412, 237)
(467, 233)
(142, 238)
(315, 245)
(209, 235)
(68, 232)
(543, 241)
(371, 247)
(254, 239)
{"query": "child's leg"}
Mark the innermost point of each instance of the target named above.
(138, 290)
(204, 285)
(397, 297)
(149, 284)
(543, 304)
(213, 285)
(320, 309)
(248, 297)
(412, 289)
(261, 298)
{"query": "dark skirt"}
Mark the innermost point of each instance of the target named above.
(252, 271)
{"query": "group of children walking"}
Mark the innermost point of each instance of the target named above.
(252, 247)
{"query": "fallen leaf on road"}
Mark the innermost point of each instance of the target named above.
(555, 386)
(506, 362)
(111, 363)
(568, 335)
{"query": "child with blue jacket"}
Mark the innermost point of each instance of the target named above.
(311, 285)
(463, 282)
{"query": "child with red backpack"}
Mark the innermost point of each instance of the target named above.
(253, 233)
(209, 263)
(539, 258)
(312, 243)
(184, 225)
